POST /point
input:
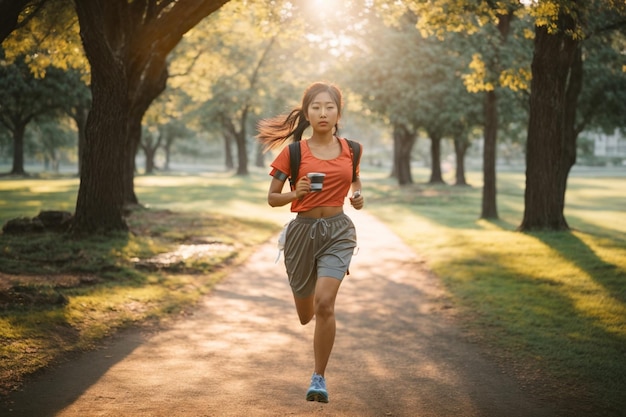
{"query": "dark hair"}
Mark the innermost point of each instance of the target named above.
(275, 131)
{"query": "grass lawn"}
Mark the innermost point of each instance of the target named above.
(551, 307)
(548, 301)
(60, 295)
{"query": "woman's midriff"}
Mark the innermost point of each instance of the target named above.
(320, 212)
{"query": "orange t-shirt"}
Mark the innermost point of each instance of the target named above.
(336, 183)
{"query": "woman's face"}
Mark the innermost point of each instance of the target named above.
(323, 113)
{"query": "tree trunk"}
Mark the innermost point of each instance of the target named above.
(150, 153)
(489, 206)
(100, 194)
(242, 146)
(574, 86)
(229, 161)
(167, 148)
(460, 149)
(242, 154)
(18, 149)
(127, 44)
(260, 157)
(404, 139)
(150, 148)
(80, 117)
(100, 197)
(549, 155)
(131, 146)
(396, 155)
(435, 159)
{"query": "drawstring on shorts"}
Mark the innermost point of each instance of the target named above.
(313, 229)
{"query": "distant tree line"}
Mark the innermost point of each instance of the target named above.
(125, 75)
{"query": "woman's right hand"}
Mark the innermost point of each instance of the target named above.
(303, 187)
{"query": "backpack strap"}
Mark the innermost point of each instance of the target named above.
(294, 163)
(355, 150)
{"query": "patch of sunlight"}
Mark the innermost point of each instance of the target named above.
(487, 225)
(31, 203)
(206, 179)
(8, 330)
(248, 209)
(185, 252)
(162, 181)
(40, 186)
(51, 187)
(590, 298)
(613, 255)
(608, 219)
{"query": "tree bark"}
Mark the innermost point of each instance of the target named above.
(460, 149)
(259, 161)
(80, 117)
(18, 149)
(489, 208)
(435, 159)
(403, 139)
(100, 197)
(167, 148)
(396, 155)
(574, 87)
(242, 149)
(150, 148)
(550, 146)
(242, 154)
(489, 204)
(229, 161)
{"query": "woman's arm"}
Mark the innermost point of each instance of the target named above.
(276, 197)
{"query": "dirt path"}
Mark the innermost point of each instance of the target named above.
(244, 353)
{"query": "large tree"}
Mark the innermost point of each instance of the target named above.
(557, 81)
(127, 44)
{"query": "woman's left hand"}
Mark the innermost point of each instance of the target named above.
(357, 202)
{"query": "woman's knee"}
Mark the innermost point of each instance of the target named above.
(325, 295)
(324, 307)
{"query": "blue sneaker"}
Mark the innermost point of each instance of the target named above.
(317, 390)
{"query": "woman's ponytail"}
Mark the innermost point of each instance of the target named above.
(275, 131)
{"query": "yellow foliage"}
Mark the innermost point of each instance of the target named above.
(548, 13)
(476, 81)
(516, 79)
(52, 38)
(529, 34)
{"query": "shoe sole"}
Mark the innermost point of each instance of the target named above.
(316, 396)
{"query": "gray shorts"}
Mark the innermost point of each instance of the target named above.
(318, 248)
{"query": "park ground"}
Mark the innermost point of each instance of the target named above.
(242, 352)
(408, 324)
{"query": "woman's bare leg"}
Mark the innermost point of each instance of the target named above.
(305, 308)
(324, 304)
